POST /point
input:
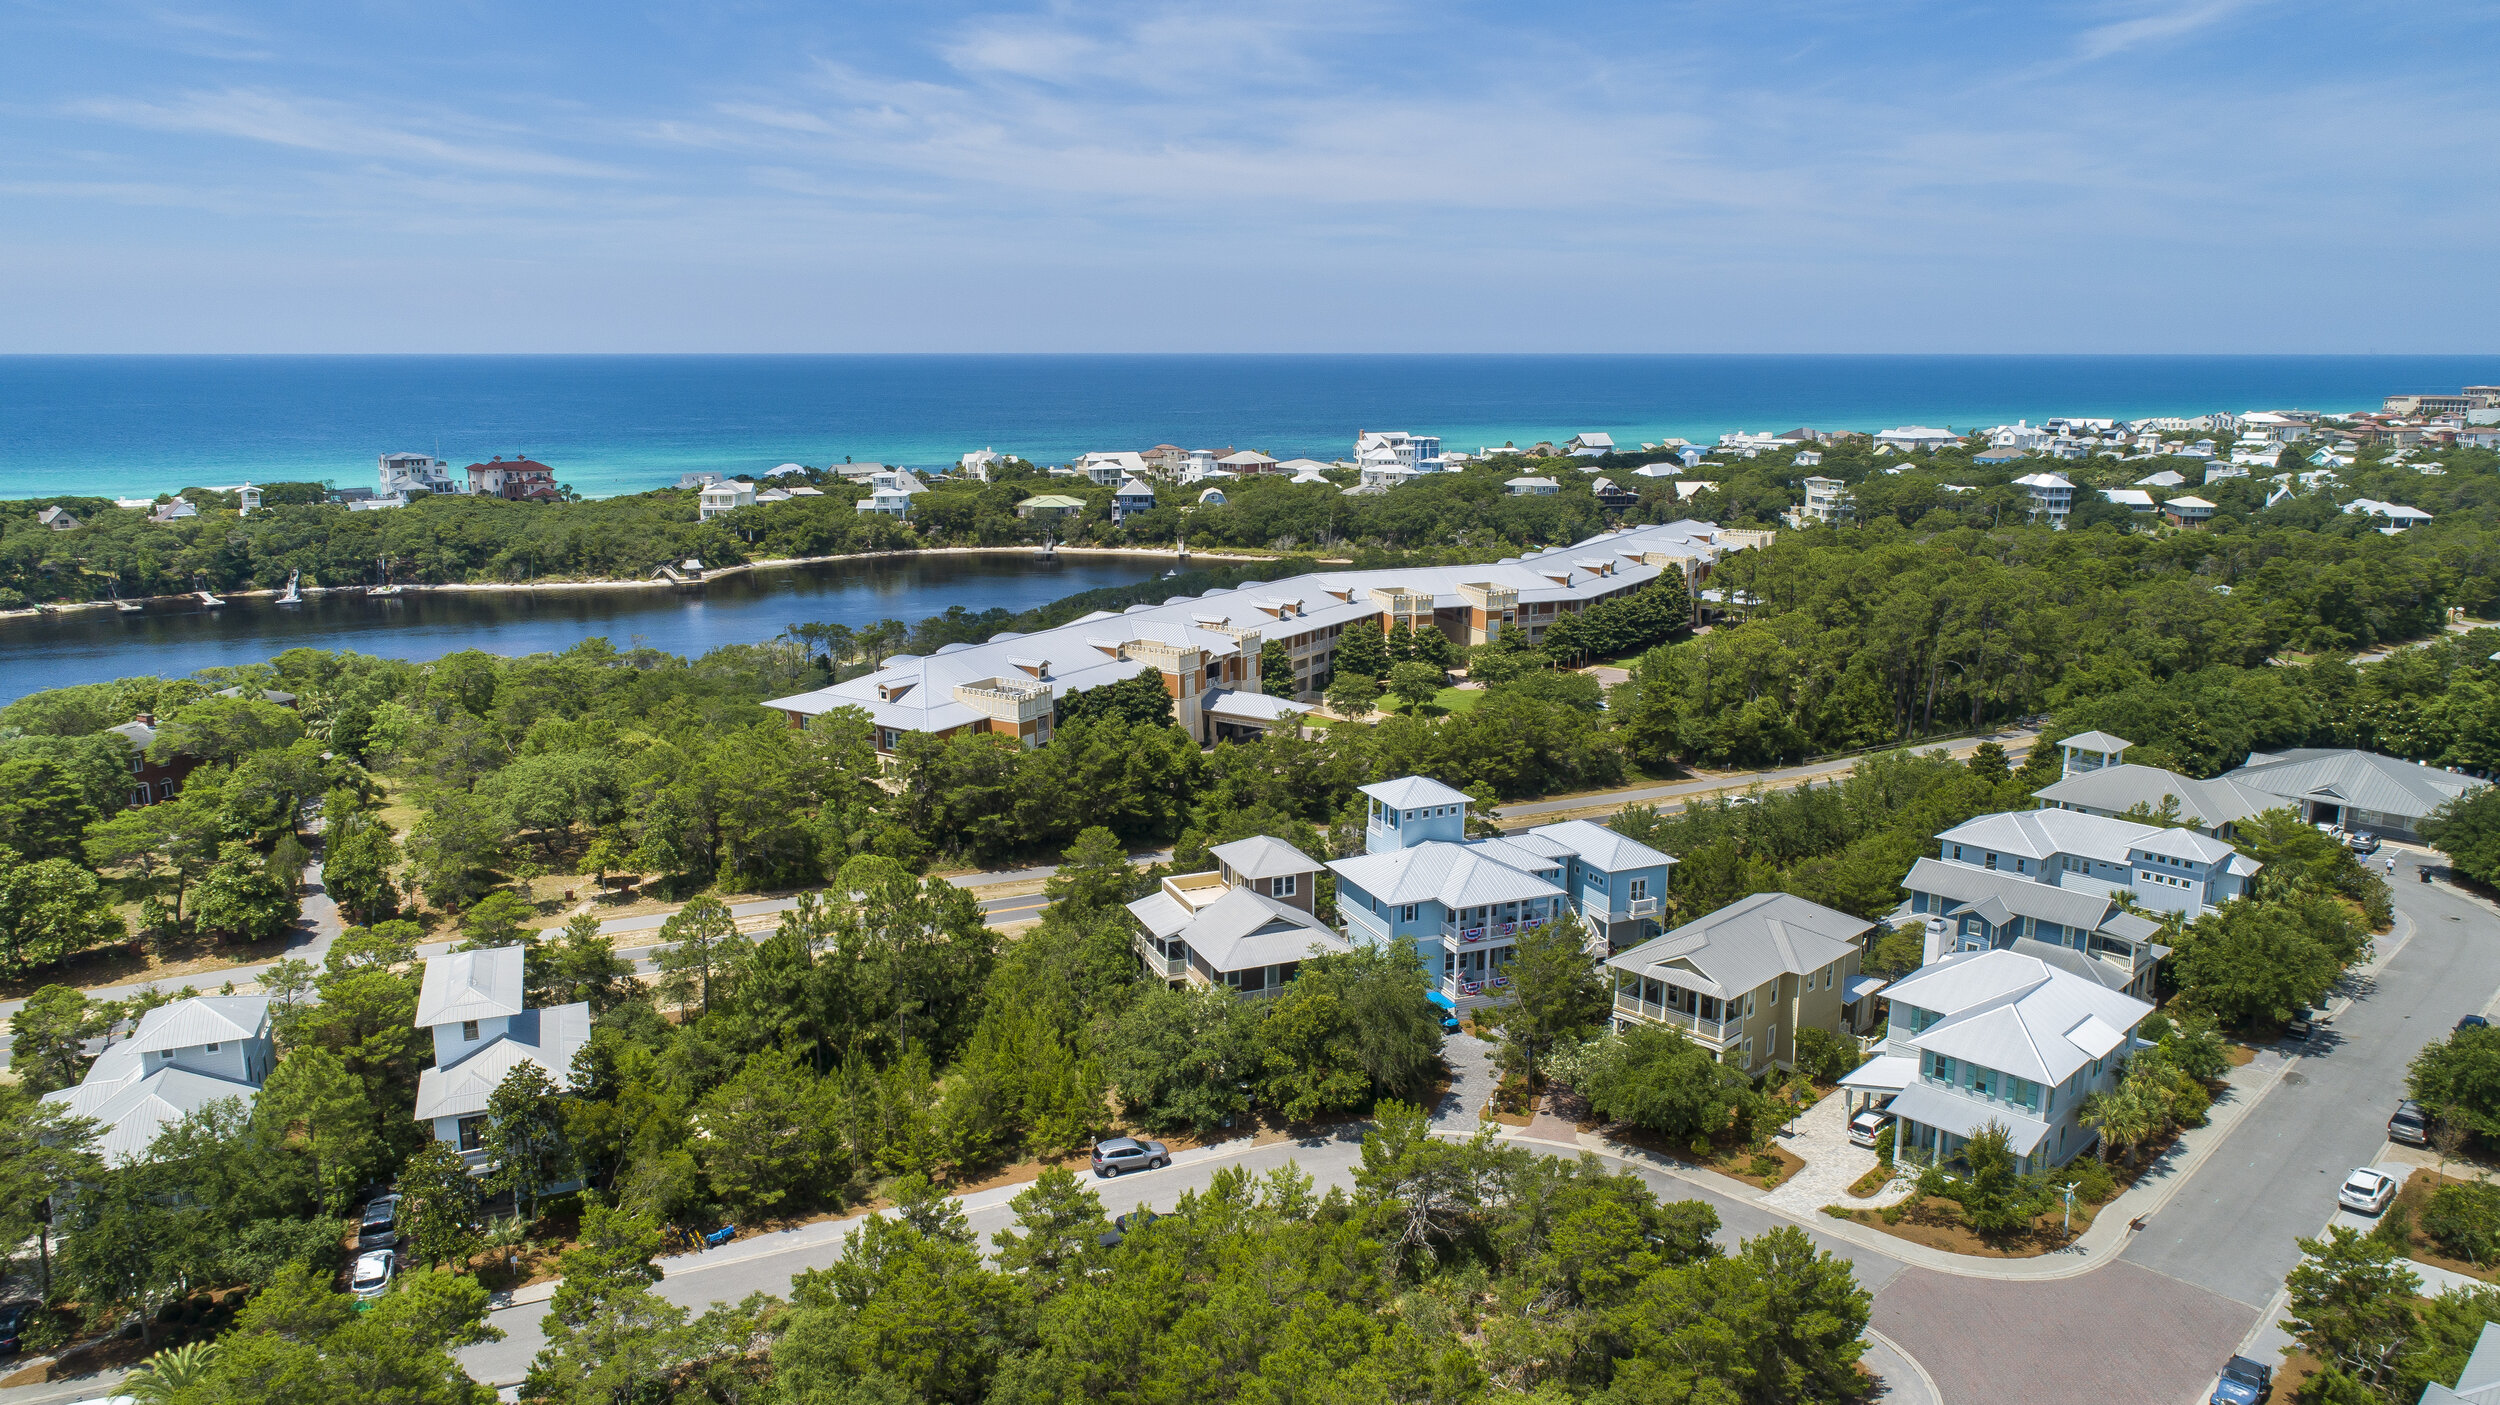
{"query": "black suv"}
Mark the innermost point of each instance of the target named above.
(378, 1229)
(1128, 1154)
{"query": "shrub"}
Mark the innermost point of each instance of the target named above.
(1765, 1168)
(2465, 1220)
(1838, 1212)
(1824, 1056)
(2092, 1180)
(1884, 1142)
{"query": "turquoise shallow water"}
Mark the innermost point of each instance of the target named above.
(611, 424)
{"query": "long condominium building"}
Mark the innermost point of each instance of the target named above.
(1206, 647)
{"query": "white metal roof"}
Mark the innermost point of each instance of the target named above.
(2016, 1013)
(1241, 930)
(1602, 848)
(470, 985)
(1414, 793)
(202, 1019)
(1262, 856)
(548, 1038)
(1748, 942)
(1454, 875)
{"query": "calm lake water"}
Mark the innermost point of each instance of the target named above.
(172, 639)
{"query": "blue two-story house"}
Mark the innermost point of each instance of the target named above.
(2057, 877)
(1466, 902)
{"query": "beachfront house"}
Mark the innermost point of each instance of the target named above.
(1395, 448)
(1530, 487)
(1997, 1037)
(1827, 503)
(516, 479)
(405, 472)
(1742, 981)
(1050, 506)
(723, 496)
(1910, 438)
(1246, 924)
(183, 1057)
(483, 1028)
(1590, 445)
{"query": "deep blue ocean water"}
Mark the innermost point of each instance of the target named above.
(612, 424)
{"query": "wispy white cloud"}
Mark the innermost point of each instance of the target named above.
(2160, 23)
(335, 128)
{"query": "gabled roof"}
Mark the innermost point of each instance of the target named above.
(1241, 930)
(1414, 793)
(2214, 803)
(2097, 741)
(2038, 834)
(1602, 848)
(2362, 778)
(1969, 886)
(2479, 1382)
(1454, 875)
(1262, 856)
(1931, 1106)
(470, 985)
(1252, 707)
(202, 1019)
(136, 1111)
(1747, 942)
(548, 1038)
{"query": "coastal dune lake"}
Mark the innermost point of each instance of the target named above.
(172, 638)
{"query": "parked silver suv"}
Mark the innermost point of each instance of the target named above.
(1128, 1154)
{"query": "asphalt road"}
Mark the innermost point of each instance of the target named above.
(767, 1264)
(2231, 1228)
(310, 941)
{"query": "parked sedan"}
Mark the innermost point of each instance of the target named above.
(13, 1318)
(373, 1274)
(2244, 1382)
(1128, 1154)
(2366, 1192)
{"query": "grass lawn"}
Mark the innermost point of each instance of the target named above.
(1450, 700)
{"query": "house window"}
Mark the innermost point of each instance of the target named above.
(1749, 1008)
(166, 1054)
(1992, 860)
(212, 1048)
(468, 1029)
(1284, 886)
(1408, 913)
(139, 796)
(472, 1133)
(1640, 889)
(1598, 881)
(164, 790)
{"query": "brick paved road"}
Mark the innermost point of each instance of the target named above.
(2116, 1336)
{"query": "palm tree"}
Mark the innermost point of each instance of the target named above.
(503, 1236)
(2120, 1116)
(170, 1372)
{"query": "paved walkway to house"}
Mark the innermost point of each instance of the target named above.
(1833, 1164)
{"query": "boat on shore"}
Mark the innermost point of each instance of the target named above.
(292, 596)
(209, 598)
(128, 607)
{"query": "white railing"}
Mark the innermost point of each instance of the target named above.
(1656, 1013)
(1643, 907)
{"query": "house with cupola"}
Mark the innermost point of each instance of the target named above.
(1466, 903)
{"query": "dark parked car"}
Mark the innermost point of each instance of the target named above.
(378, 1228)
(2300, 1024)
(2410, 1125)
(2244, 1382)
(2473, 1022)
(1128, 1154)
(13, 1319)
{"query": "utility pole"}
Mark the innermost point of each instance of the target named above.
(2068, 1224)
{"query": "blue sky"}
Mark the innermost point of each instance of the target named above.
(2117, 175)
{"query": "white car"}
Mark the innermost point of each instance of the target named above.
(373, 1273)
(2366, 1192)
(1868, 1125)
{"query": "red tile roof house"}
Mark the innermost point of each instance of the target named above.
(523, 480)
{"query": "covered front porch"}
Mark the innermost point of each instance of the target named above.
(1675, 1000)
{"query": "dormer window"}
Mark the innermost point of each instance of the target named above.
(468, 1029)
(212, 1048)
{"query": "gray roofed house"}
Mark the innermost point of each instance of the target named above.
(476, 1006)
(2002, 1037)
(183, 1057)
(1414, 793)
(1247, 924)
(1743, 980)
(2479, 1382)
(2213, 807)
(1600, 845)
(470, 985)
(1453, 875)
(1971, 909)
(2356, 789)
